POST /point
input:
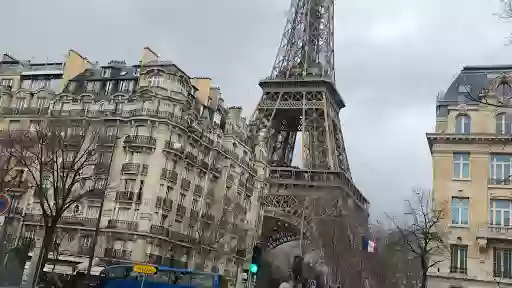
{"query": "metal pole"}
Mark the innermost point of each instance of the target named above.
(100, 213)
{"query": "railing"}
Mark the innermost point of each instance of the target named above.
(496, 181)
(142, 140)
(487, 230)
(122, 225)
(171, 146)
(458, 270)
(229, 180)
(190, 157)
(117, 254)
(203, 164)
(285, 175)
(159, 230)
(134, 168)
(127, 196)
(78, 221)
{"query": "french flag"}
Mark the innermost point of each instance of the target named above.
(369, 245)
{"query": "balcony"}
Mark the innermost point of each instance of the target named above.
(185, 184)
(173, 147)
(241, 186)
(16, 186)
(190, 157)
(198, 190)
(230, 180)
(231, 153)
(140, 140)
(126, 196)
(67, 165)
(181, 210)
(122, 225)
(120, 254)
(164, 203)
(107, 140)
(135, 168)
(78, 221)
(159, 231)
(496, 232)
(169, 175)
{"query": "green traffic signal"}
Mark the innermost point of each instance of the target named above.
(253, 268)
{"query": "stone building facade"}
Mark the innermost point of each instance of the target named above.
(180, 161)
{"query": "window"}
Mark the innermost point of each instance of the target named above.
(464, 88)
(20, 103)
(105, 72)
(34, 125)
(503, 124)
(6, 82)
(460, 211)
(182, 198)
(14, 124)
(462, 124)
(502, 263)
(461, 165)
(500, 169)
(156, 81)
(194, 203)
(500, 212)
(459, 261)
(41, 103)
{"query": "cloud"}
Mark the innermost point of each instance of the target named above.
(392, 57)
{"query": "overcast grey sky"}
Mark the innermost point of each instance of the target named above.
(392, 57)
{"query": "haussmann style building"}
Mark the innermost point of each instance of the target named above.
(181, 161)
(472, 159)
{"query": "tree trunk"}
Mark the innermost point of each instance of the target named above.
(424, 272)
(46, 245)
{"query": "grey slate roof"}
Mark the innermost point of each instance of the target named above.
(118, 72)
(474, 78)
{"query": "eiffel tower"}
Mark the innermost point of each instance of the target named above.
(300, 96)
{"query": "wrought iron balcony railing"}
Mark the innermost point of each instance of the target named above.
(140, 140)
(122, 225)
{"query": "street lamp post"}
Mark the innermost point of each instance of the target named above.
(100, 213)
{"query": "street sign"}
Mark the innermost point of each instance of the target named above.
(145, 269)
(4, 204)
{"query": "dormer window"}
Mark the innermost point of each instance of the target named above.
(136, 72)
(105, 72)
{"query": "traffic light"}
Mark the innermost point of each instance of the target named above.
(256, 259)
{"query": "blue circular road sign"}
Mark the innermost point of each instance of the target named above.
(4, 204)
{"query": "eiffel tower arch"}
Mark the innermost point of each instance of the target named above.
(300, 97)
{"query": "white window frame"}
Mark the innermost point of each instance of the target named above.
(156, 80)
(505, 213)
(465, 124)
(461, 208)
(505, 175)
(20, 103)
(460, 255)
(105, 72)
(460, 161)
(500, 252)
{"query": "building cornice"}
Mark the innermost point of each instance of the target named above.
(474, 138)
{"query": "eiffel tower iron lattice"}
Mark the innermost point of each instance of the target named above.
(300, 96)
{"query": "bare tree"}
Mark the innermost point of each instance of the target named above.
(420, 236)
(59, 161)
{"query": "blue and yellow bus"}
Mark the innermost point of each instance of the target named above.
(149, 276)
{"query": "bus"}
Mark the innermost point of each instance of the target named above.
(150, 276)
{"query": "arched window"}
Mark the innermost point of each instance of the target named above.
(463, 124)
(503, 124)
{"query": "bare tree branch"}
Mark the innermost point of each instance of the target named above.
(55, 158)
